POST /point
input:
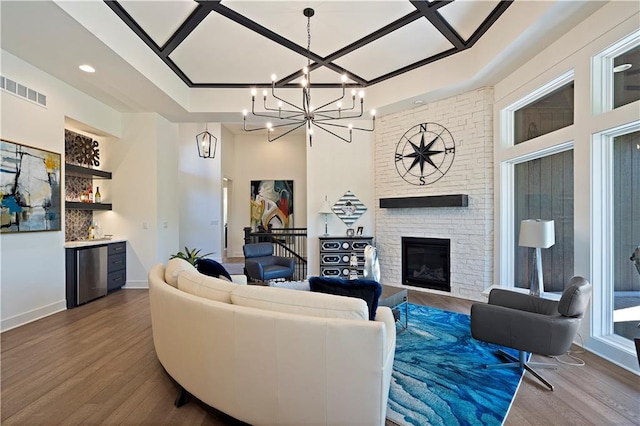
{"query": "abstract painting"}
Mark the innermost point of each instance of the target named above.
(29, 189)
(271, 204)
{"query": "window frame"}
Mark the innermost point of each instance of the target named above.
(602, 72)
(602, 236)
(507, 211)
(507, 115)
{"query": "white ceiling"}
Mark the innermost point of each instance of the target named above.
(57, 36)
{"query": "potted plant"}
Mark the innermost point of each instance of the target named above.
(192, 256)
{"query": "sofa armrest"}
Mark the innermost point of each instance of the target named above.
(385, 315)
(288, 262)
(254, 269)
(239, 279)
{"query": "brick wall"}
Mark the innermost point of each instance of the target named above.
(469, 118)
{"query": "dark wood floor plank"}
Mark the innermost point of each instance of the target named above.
(96, 364)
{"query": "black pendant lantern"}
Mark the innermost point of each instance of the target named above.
(207, 144)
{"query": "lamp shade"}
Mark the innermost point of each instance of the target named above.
(537, 233)
(325, 208)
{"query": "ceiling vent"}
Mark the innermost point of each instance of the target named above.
(25, 92)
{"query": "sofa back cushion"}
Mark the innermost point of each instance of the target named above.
(204, 286)
(299, 302)
(367, 290)
(174, 267)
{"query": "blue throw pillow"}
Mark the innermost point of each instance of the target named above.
(367, 290)
(212, 268)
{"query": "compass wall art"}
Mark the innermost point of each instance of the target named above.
(424, 153)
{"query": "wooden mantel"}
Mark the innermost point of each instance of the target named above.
(456, 200)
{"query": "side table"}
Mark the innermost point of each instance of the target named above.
(395, 298)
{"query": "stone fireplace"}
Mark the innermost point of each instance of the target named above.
(466, 221)
(425, 263)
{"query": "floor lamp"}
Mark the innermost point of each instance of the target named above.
(537, 233)
(326, 211)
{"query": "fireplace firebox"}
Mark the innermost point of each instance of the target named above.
(426, 263)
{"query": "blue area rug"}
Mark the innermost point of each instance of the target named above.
(439, 376)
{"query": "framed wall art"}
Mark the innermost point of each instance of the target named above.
(271, 204)
(30, 197)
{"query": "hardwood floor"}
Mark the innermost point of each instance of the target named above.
(96, 364)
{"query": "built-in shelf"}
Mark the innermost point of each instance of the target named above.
(457, 200)
(75, 170)
(76, 205)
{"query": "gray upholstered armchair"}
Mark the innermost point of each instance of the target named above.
(531, 324)
(261, 264)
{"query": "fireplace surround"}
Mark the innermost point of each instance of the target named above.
(426, 263)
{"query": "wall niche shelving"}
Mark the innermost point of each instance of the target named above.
(85, 172)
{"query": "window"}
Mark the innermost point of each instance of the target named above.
(616, 74)
(626, 235)
(626, 77)
(551, 112)
(543, 189)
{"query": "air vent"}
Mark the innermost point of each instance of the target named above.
(23, 91)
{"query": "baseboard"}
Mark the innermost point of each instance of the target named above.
(33, 315)
(138, 284)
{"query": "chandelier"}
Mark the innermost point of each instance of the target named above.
(207, 144)
(327, 117)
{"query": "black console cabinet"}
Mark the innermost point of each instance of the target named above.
(335, 253)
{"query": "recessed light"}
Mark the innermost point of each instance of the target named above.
(418, 102)
(622, 67)
(87, 68)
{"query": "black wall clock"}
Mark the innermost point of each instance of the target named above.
(424, 153)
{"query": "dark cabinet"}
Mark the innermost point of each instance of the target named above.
(87, 280)
(335, 254)
(117, 266)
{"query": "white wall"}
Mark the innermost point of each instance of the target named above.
(257, 159)
(200, 192)
(333, 168)
(167, 187)
(32, 279)
(143, 190)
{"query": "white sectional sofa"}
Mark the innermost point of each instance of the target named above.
(272, 356)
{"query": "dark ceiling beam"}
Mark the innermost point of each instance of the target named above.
(131, 23)
(197, 16)
(259, 29)
(440, 23)
(415, 65)
(489, 21)
(407, 19)
(277, 38)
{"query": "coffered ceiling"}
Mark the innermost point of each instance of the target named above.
(194, 60)
(369, 41)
